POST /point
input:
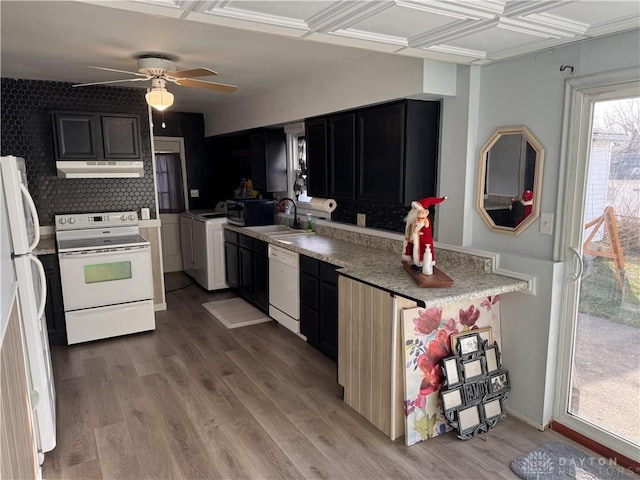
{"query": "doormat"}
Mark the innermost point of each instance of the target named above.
(235, 312)
(559, 461)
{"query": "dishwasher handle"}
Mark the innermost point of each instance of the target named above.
(284, 256)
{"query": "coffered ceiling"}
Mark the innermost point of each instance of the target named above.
(261, 45)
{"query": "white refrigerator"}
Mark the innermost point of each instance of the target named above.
(23, 237)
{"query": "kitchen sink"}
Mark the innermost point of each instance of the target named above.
(277, 230)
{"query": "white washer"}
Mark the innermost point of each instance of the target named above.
(208, 248)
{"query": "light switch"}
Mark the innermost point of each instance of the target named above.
(546, 223)
(195, 193)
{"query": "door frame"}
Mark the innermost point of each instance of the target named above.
(174, 145)
(580, 95)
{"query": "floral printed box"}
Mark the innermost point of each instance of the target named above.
(425, 337)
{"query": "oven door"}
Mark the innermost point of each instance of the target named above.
(106, 277)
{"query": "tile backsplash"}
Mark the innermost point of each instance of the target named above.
(27, 133)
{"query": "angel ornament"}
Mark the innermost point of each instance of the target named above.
(418, 242)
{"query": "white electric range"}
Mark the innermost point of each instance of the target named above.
(106, 274)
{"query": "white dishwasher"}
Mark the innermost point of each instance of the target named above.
(284, 288)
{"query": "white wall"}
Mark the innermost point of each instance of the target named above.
(456, 176)
(373, 79)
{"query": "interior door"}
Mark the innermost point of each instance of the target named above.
(171, 250)
(599, 392)
(170, 230)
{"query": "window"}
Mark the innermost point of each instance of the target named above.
(169, 179)
(297, 162)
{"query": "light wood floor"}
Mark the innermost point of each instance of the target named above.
(195, 400)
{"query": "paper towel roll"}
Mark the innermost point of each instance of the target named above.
(323, 204)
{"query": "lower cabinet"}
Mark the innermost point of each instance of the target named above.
(370, 364)
(247, 268)
(319, 305)
(54, 308)
(231, 258)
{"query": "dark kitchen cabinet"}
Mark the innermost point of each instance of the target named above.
(386, 153)
(120, 137)
(231, 268)
(54, 308)
(342, 156)
(268, 149)
(319, 305)
(95, 136)
(398, 151)
(331, 156)
(76, 136)
(247, 268)
(261, 275)
(317, 164)
(245, 262)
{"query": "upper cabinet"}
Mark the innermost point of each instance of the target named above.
(317, 164)
(120, 137)
(342, 156)
(331, 156)
(386, 153)
(95, 136)
(268, 150)
(398, 151)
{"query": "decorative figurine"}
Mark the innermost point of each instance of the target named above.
(418, 242)
(521, 209)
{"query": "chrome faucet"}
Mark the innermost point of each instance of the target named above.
(296, 224)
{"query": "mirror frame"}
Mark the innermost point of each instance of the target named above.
(537, 179)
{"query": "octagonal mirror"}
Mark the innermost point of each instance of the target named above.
(509, 180)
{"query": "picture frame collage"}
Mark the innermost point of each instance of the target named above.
(476, 385)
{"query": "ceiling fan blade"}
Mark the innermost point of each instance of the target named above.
(216, 87)
(120, 71)
(194, 72)
(110, 81)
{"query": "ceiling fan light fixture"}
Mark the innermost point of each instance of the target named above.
(159, 97)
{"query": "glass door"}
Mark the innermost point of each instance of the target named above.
(600, 360)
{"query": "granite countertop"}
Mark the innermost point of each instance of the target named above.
(383, 268)
(46, 246)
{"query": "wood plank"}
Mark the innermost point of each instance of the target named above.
(17, 443)
(103, 401)
(75, 441)
(177, 428)
(267, 406)
(117, 457)
(438, 279)
(152, 450)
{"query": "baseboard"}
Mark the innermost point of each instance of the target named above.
(526, 420)
(598, 448)
(160, 306)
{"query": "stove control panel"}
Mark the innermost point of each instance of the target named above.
(76, 221)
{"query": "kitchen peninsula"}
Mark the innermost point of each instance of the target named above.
(373, 289)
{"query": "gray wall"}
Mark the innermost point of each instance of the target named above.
(530, 91)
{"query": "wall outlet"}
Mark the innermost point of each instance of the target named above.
(546, 223)
(195, 193)
(362, 219)
(144, 212)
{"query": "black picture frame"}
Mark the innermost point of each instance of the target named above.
(476, 386)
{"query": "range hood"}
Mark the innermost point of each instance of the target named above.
(100, 169)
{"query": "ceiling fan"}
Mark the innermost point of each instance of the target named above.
(160, 70)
